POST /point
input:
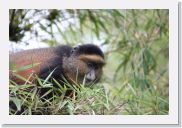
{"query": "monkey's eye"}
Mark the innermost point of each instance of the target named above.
(93, 65)
(96, 66)
(74, 49)
(90, 65)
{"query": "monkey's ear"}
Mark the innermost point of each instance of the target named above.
(74, 49)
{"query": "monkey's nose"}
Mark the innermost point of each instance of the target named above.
(91, 75)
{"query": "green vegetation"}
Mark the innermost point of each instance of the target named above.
(136, 46)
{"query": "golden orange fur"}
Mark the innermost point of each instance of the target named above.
(94, 58)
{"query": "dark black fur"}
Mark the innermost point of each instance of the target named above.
(56, 65)
(89, 49)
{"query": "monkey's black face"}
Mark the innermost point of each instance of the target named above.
(85, 64)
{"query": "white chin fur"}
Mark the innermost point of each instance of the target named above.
(86, 81)
(89, 78)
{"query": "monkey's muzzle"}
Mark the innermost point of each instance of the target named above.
(89, 78)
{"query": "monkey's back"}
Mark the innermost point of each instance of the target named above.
(34, 60)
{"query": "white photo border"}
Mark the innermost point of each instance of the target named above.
(171, 118)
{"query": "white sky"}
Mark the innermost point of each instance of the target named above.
(33, 42)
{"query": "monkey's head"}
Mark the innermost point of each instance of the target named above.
(84, 65)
